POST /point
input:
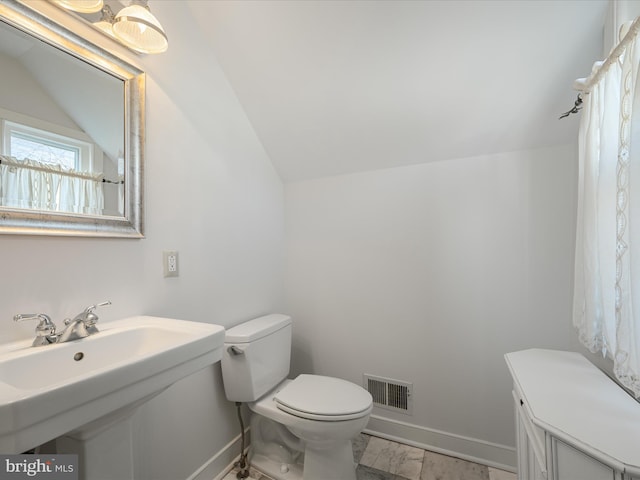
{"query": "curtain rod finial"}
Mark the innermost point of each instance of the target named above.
(577, 106)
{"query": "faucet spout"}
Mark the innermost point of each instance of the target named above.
(82, 325)
(75, 330)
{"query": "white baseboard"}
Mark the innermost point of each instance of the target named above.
(221, 463)
(466, 448)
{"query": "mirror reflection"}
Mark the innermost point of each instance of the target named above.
(62, 131)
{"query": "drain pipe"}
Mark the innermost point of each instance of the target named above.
(242, 463)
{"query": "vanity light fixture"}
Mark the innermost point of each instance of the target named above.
(106, 21)
(134, 25)
(81, 6)
(137, 28)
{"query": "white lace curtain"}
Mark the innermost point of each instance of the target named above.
(606, 308)
(34, 185)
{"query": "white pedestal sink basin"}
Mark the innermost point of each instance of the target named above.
(48, 391)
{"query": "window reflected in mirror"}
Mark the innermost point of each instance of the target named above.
(62, 130)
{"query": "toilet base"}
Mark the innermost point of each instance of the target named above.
(330, 461)
(316, 466)
(282, 455)
(275, 469)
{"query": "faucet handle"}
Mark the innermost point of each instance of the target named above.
(45, 326)
(91, 318)
(91, 308)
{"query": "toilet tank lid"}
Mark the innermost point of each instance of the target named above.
(257, 328)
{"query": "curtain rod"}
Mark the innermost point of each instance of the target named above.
(584, 85)
(16, 163)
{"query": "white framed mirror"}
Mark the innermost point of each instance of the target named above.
(71, 132)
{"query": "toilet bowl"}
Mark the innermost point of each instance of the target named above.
(324, 428)
(301, 428)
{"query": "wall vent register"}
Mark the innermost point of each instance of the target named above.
(391, 394)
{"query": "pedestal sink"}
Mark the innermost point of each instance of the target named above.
(90, 386)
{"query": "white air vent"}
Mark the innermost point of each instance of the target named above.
(390, 394)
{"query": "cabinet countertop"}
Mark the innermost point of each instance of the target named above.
(571, 398)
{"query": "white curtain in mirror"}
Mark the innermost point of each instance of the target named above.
(34, 185)
(606, 306)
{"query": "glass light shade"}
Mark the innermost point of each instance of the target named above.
(106, 27)
(82, 6)
(137, 28)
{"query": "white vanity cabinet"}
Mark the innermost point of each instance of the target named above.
(572, 421)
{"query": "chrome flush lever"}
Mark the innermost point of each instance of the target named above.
(234, 351)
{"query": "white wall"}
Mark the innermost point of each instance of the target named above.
(213, 195)
(429, 274)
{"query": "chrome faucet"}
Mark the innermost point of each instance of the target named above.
(82, 325)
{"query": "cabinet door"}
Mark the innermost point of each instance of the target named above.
(572, 464)
(535, 471)
(522, 448)
(531, 458)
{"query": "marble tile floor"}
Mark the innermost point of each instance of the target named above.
(380, 459)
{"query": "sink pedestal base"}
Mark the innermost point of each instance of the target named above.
(105, 452)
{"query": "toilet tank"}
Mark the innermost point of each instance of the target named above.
(256, 357)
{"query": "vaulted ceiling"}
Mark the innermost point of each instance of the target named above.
(333, 87)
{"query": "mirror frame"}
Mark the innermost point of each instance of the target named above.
(131, 225)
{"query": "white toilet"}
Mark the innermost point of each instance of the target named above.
(300, 428)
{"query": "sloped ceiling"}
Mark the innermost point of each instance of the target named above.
(333, 87)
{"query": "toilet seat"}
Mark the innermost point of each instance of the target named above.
(317, 397)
